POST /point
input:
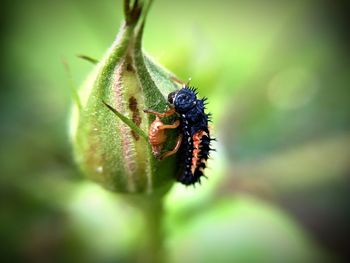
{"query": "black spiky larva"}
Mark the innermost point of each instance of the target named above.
(194, 140)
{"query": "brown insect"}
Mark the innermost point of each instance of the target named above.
(157, 136)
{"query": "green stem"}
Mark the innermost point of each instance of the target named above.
(154, 225)
(152, 211)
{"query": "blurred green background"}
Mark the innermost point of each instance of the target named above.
(277, 75)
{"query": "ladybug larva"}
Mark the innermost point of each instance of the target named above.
(194, 139)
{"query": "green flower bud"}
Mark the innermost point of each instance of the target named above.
(108, 126)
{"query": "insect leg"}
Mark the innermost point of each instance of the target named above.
(177, 146)
(160, 115)
(183, 84)
(171, 126)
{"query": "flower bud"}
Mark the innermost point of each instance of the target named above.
(126, 80)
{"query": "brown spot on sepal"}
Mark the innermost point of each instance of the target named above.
(136, 118)
(129, 67)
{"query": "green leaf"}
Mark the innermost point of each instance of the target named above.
(88, 58)
(127, 121)
(72, 86)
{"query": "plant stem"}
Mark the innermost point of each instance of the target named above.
(154, 229)
(152, 210)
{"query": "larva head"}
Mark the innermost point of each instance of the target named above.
(183, 100)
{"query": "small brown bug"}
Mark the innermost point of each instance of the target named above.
(157, 136)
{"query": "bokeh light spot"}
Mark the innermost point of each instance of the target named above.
(292, 88)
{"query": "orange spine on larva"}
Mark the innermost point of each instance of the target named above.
(197, 137)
